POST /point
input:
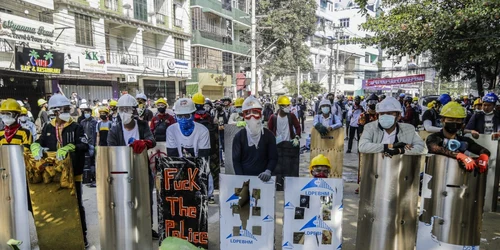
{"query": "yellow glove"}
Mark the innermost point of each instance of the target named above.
(241, 124)
(63, 152)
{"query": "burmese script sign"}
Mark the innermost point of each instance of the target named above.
(39, 61)
(380, 82)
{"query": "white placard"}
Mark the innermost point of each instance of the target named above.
(252, 232)
(93, 62)
(312, 213)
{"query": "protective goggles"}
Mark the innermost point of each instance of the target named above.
(320, 169)
(161, 106)
(65, 109)
(126, 110)
(186, 116)
(8, 113)
(255, 113)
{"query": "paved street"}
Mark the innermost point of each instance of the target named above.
(490, 232)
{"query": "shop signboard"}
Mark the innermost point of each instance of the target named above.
(178, 68)
(93, 62)
(39, 61)
(25, 30)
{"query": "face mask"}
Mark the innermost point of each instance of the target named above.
(321, 175)
(286, 110)
(87, 116)
(162, 110)
(238, 110)
(325, 110)
(23, 119)
(64, 116)
(478, 111)
(386, 121)
(103, 117)
(207, 108)
(372, 106)
(254, 126)
(489, 113)
(186, 125)
(126, 118)
(140, 111)
(8, 120)
(452, 127)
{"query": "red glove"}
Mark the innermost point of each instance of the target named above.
(467, 161)
(482, 162)
(140, 145)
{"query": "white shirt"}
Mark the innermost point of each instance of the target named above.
(389, 138)
(134, 133)
(199, 139)
(282, 129)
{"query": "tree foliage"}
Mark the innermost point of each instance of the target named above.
(462, 36)
(286, 25)
(308, 90)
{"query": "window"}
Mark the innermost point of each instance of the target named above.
(344, 22)
(83, 29)
(46, 17)
(367, 58)
(179, 48)
(205, 58)
(344, 39)
(141, 10)
(349, 81)
(111, 4)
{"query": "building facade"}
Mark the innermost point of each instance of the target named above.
(218, 50)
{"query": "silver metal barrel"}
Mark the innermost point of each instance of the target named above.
(387, 218)
(452, 202)
(123, 199)
(14, 223)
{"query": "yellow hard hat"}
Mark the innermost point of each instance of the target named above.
(239, 102)
(431, 104)
(10, 105)
(113, 103)
(453, 110)
(161, 100)
(320, 160)
(103, 109)
(283, 100)
(477, 102)
(24, 111)
(198, 98)
(415, 98)
(41, 102)
(362, 97)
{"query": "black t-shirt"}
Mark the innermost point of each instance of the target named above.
(432, 116)
(435, 145)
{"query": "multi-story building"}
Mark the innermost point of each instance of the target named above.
(218, 50)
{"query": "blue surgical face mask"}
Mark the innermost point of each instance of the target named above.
(238, 110)
(386, 121)
(87, 116)
(325, 110)
(186, 125)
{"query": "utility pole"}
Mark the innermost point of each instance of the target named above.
(337, 33)
(253, 81)
(298, 80)
(330, 70)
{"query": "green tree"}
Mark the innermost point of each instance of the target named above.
(286, 25)
(462, 36)
(308, 90)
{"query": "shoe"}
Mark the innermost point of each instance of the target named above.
(155, 235)
(348, 151)
(347, 138)
(87, 245)
(356, 191)
(211, 200)
(92, 185)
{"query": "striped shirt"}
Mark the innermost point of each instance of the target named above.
(22, 137)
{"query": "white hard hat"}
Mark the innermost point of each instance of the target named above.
(389, 104)
(58, 100)
(84, 106)
(141, 96)
(127, 101)
(184, 106)
(325, 102)
(20, 103)
(104, 101)
(251, 103)
(83, 101)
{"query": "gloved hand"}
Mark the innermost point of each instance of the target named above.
(140, 145)
(399, 145)
(321, 129)
(63, 152)
(265, 176)
(390, 152)
(482, 163)
(36, 151)
(241, 124)
(467, 161)
(296, 141)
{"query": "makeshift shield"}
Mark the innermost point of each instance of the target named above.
(332, 146)
(387, 217)
(230, 131)
(123, 199)
(288, 163)
(156, 153)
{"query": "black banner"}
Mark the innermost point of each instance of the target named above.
(182, 199)
(39, 61)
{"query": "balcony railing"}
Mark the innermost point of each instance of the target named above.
(121, 58)
(160, 18)
(178, 22)
(153, 62)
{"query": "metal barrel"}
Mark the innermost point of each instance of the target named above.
(123, 199)
(452, 202)
(387, 217)
(14, 223)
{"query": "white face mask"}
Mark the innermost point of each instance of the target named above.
(65, 116)
(23, 119)
(286, 110)
(8, 120)
(254, 126)
(386, 121)
(125, 117)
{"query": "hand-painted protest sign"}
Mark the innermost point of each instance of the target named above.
(182, 185)
(246, 212)
(312, 213)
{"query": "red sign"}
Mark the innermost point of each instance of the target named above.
(379, 82)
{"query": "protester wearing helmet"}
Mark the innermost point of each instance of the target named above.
(134, 133)
(388, 136)
(381, 97)
(161, 121)
(325, 121)
(353, 114)
(430, 118)
(267, 113)
(43, 117)
(416, 107)
(410, 116)
(284, 125)
(369, 115)
(335, 108)
(65, 137)
(26, 123)
(103, 127)
(142, 108)
(449, 143)
(487, 121)
(14, 133)
(320, 167)
(114, 118)
(254, 148)
(237, 116)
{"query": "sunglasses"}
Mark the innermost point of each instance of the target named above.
(186, 116)
(255, 113)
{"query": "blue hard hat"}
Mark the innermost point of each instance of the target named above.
(490, 97)
(444, 99)
(402, 95)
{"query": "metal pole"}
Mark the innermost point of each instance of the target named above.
(298, 80)
(330, 70)
(337, 33)
(253, 81)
